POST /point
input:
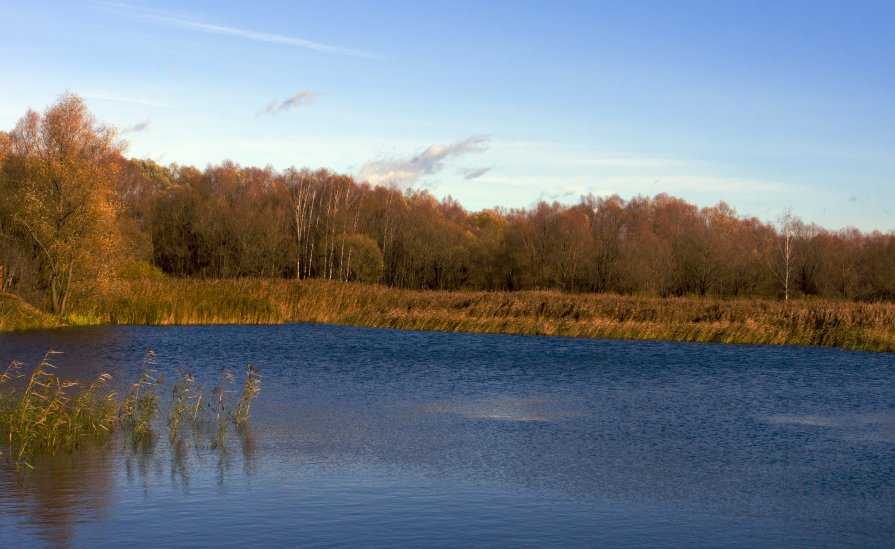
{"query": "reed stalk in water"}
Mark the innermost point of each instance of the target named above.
(141, 404)
(42, 412)
(250, 389)
(51, 414)
(221, 408)
(183, 400)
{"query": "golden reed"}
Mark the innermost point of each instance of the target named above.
(849, 325)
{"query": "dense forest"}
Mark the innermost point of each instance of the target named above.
(76, 215)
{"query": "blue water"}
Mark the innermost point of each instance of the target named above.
(393, 438)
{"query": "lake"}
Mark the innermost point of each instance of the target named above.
(370, 437)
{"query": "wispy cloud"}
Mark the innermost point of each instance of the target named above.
(570, 154)
(680, 183)
(628, 162)
(432, 160)
(473, 173)
(563, 195)
(688, 186)
(300, 98)
(181, 22)
(119, 98)
(144, 125)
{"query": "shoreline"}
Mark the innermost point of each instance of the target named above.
(837, 324)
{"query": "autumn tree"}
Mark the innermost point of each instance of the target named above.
(530, 239)
(607, 223)
(878, 273)
(384, 220)
(646, 262)
(490, 265)
(810, 261)
(4, 237)
(844, 253)
(365, 261)
(58, 184)
(4, 146)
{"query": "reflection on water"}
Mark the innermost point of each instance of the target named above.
(868, 426)
(149, 460)
(66, 492)
(59, 493)
(501, 409)
(378, 437)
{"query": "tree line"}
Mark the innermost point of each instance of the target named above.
(76, 215)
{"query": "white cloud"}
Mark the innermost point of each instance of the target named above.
(407, 171)
(301, 98)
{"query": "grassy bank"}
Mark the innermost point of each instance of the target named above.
(847, 325)
(800, 322)
(17, 315)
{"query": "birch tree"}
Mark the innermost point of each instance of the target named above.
(784, 260)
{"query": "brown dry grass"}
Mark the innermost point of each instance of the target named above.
(843, 324)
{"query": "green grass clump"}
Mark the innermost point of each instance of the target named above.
(80, 319)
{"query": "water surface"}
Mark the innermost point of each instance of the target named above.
(381, 437)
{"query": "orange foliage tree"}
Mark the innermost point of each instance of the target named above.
(58, 182)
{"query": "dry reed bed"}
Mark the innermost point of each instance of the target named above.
(863, 326)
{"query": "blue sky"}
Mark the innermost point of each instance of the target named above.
(765, 105)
